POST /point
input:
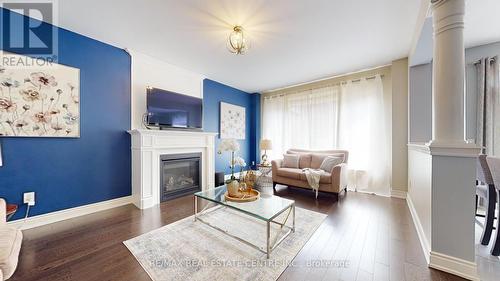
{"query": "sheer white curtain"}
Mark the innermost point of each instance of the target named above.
(323, 120)
(362, 131)
(348, 116)
(306, 119)
(273, 111)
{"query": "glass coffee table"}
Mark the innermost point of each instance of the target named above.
(266, 208)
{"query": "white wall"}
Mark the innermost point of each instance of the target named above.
(421, 94)
(420, 103)
(399, 74)
(419, 193)
(423, 50)
(148, 71)
(453, 190)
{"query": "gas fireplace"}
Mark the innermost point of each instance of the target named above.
(180, 174)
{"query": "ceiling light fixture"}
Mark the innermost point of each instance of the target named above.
(237, 43)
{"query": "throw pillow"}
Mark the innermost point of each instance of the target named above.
(329, 162)
(291, 161)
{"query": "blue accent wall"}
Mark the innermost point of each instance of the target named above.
(67, 173)
(213, 94)
(255, 148)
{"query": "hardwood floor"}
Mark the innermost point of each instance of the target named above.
(375, 235)
(488, 265)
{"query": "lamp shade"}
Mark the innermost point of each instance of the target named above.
(266, 144)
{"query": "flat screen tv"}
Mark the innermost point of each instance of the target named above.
(172, 110)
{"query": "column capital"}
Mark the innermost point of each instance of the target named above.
(448, 14)
(437, 2)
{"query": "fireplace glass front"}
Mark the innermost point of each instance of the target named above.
(180, 174)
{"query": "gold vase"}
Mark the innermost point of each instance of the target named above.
(250, 179)
(233, 188)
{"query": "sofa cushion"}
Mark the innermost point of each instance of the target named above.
(329, 162)
(304, 160)
(324, 178)
(291, 161)
(317, 159)
(290, 173)
(10, 245)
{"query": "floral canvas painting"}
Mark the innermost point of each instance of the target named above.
(232, 121)
(43, 102)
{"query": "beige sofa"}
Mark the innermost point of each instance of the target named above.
(333, 182)
(10, 245)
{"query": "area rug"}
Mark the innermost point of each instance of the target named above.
(189, 250)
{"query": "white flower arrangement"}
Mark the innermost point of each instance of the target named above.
(229, 145)
(232, 145)
(237, 161)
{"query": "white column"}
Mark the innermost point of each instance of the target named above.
(452, 161)
(448, 73)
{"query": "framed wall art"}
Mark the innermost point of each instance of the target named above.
(232, 121)
(41, 101)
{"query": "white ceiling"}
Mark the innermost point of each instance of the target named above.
(482, 22)
(293, 41)
(482, 26)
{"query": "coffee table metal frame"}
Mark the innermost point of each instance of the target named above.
(271, 244)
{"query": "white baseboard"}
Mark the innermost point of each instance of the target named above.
(398, 194)
(453, 265)
(424, 242)
(456, 266)
(143, 203)
(369, 192)
(61, 215)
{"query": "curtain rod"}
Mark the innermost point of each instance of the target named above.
(492, 59)
(366, 78)
(378, 69)
(271, 95)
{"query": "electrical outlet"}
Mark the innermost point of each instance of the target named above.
(29, 198)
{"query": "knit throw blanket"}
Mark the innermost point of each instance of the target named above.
(313, 176)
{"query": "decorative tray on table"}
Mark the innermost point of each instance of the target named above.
(243, 196)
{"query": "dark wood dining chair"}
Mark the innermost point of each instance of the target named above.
(494, 165)
(485, 189)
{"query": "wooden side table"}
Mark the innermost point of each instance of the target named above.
(11, 210)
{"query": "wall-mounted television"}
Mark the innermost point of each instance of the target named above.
(173, 110)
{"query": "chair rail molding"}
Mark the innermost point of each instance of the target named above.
(457, 150)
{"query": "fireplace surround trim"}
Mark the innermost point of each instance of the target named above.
(148, 145)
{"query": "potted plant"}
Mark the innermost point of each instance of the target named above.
(232, 146)
(238, 161)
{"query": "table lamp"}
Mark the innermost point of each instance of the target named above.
(265, 145)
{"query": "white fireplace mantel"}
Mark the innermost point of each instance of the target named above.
(148, 145)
